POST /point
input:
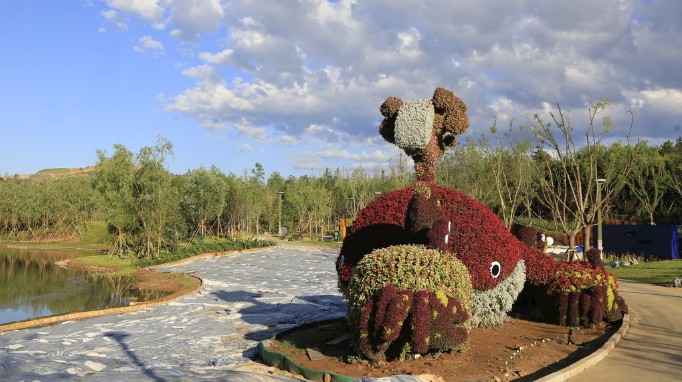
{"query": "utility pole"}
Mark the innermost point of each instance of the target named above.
(600, 244)
(279, 231)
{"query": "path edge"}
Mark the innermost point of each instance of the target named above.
(592, 359)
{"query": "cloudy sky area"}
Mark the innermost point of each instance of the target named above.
(296, 85)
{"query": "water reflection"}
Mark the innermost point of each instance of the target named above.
(32, 284)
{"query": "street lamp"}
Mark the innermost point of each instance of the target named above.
(600, 244)
(353, 200)
(280, 193)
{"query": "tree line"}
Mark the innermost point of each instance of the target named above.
(536, 174)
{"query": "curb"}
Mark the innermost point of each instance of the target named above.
(592, 359)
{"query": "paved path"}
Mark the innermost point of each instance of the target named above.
(652, 348)
(246, 297)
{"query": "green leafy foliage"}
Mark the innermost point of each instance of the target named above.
(198, 249)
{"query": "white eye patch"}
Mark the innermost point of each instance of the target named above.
(495, 269)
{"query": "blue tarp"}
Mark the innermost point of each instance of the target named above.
(661, 241)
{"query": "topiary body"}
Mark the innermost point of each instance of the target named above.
(408, 298)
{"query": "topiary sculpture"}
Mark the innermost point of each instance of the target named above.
(447, 220)
(408, 298)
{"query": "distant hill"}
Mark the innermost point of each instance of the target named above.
(55, 173)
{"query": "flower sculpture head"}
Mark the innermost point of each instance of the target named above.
(424, 128)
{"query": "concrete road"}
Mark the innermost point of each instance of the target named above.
(652, 348)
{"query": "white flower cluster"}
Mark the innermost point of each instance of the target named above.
(491, 306)
(414, 124)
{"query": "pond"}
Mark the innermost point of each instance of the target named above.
(33, 285)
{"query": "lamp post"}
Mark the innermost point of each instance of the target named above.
(279, 231)
(353, 200)
(600, 244)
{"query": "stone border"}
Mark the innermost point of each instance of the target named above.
(51, 320)
(592, 359)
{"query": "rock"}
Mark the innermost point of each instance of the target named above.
(96, 366)
(314, 354)
(430, 378)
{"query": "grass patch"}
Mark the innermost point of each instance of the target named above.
(124, 266)
(329, 244)
(656, 272)
(95, 232)
(54, 171)
(185, 280)
(208, 246)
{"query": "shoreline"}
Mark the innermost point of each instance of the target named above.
(133, 307)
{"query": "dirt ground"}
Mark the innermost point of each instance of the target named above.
(176, 283)
(518, 350)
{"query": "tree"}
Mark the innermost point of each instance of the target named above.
(152, 196)
(114, 180)
(512, 169)
(567, 186)
(649, 180)
(466, 167)
(203, 198)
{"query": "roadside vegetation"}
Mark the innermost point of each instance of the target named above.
(655, 272)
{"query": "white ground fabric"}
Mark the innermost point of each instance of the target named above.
(246, 297)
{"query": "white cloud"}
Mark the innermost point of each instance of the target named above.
(194, 17)
(148, 10)
(245, 147)
(244, 127)
(149, 44)
(664, 100)
(318, 70)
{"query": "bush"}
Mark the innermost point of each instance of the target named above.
(408, 298)
(527, 235)
(586, 295)
(197, 249)
(594, 257)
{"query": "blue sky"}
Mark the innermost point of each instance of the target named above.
(296, 85)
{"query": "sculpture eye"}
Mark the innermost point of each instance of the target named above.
(495, 269)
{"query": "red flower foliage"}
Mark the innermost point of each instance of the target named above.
(387, 296)
(477, 235)
(345, 272)
(395, 318)
(594, 257)
(398, 309)
(366, 318)
(540, 267)
(422, 212)
(598, 303)
(528, 235)
(574, 309)
(563, 308)
(585, 308)
(421, 314)
(445, 331)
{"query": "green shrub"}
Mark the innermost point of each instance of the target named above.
(408, 298)
(198, 249)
